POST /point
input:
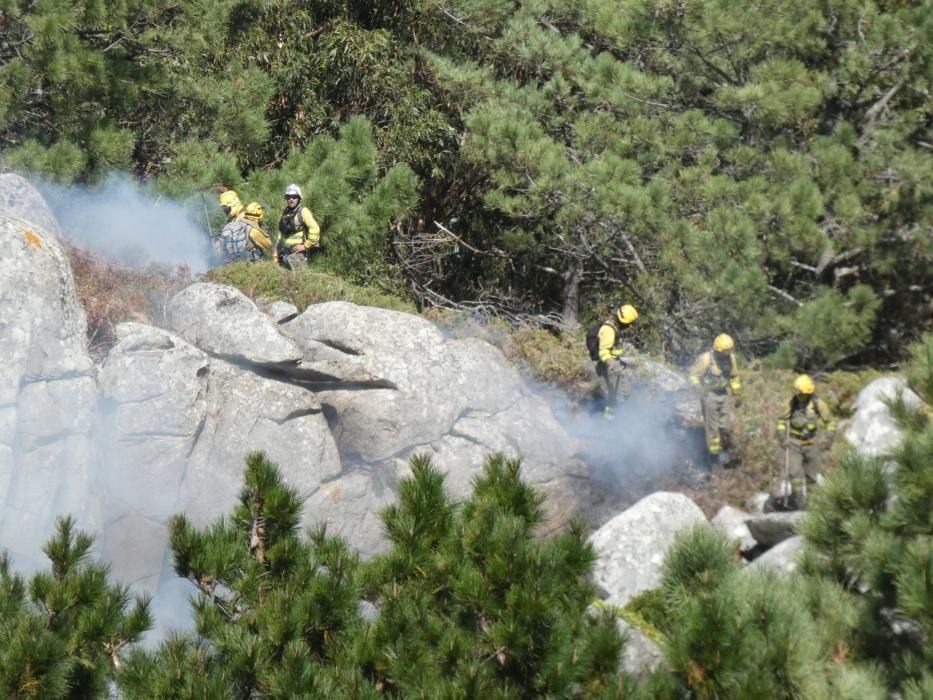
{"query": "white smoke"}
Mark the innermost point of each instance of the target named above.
(642, 447)
(127, 224)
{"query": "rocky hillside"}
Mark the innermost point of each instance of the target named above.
(338, 396)
(158, 419)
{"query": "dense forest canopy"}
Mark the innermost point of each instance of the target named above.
(759, 168)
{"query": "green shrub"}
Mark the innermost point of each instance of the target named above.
(302, 288)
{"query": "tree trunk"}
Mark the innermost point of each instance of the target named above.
(570, 311)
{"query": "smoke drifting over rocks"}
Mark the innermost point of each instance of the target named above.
(126, 224)
(161, 425)
(644, 444)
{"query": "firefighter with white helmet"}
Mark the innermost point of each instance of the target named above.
(299, 233)
(716, 374)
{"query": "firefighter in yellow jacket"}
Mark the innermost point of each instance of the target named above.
(263, 245)
(804, 415)
(242, 237)
(716, 373)
(231, 244)
(299, 233)
(610, 367)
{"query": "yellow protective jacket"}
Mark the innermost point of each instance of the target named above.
(609, 343)
(706, 372)
(262, 240)
(297, 226)
(805, 414)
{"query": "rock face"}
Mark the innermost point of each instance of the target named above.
(772, 528)
(631, 547)
(872, 430)
(223, 322)
(732, 523)
(174, 428)
(459, 401)
(47, 379)
(338, 396)
(782, 557)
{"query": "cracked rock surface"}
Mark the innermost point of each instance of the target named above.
(632, 546)
(339, 396)
(457, 400)
(47, 382)
(175, 426)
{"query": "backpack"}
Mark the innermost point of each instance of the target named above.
(592, 340)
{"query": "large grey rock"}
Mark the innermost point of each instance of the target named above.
(731, 522)
(771, 528)
(400, 387)
(631, 547)
(782, 557)
(23, 204)
(223, 322)
(169, 416)
(175, 426)
(641, 656)
(47, 379)
(872, 430)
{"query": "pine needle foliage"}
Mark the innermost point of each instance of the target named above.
(273, 609)
(919, 368)
(466, 602)
(734, 634)
(473, 605)
(759, 168)
(63, 633)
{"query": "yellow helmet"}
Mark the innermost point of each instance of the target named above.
(804, 384)
(626, 314)
(255, 211)
(229, 198)
(723, 343)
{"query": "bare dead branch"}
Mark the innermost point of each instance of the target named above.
(875, 110)
(784, 295)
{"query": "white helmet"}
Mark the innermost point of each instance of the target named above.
(293, 190)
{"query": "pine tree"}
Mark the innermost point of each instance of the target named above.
(741, 167)
(356, 204)
(63, 634)
(734, 634)
(467, 602)
(473, 605)
(274, 613)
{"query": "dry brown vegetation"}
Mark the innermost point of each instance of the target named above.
(111, 293)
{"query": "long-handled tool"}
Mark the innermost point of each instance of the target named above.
(786, 485)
